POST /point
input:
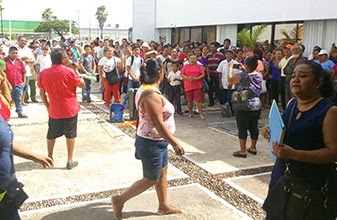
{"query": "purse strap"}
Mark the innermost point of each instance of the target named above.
(287, 161)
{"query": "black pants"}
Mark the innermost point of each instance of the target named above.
(226, 97)
(275, 89)
(248, 121)
(213, 88)
(175, 96)
(282, 91)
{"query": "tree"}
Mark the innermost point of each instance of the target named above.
(245, 37)
(292, 35)
(101, 16)
(51, 24)
(48, 15)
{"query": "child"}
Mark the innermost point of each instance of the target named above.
(175, 83)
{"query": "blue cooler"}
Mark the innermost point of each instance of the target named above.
(116, 112)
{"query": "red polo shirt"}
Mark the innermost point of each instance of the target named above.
(14, 72)
(60, 83)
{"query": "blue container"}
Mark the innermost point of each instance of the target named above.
(116, 112)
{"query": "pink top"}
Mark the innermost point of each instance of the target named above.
(192, 71)
(145, 127)
(260, 66)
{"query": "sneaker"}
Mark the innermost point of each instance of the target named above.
(34, 101)
(71, 165)
(20, 115)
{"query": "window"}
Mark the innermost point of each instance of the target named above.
(196, 35)
(184, 35)
(209, 34)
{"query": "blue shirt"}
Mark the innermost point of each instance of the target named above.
(6, 157)
(275, 73)
(328, 65)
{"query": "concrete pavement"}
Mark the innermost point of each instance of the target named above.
(107, 165)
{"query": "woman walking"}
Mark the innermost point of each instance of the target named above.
(155, 131)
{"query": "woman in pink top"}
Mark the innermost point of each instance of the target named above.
(193, 74)
(155, 130)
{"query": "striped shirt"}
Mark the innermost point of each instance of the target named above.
(213, 62)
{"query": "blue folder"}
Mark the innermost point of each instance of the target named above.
(276, 127)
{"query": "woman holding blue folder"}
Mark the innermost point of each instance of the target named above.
(308, 153)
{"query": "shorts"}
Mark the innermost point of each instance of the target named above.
(62, 126)
(154, 156)
(195, 94)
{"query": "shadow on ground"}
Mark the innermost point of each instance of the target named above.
(100, 211)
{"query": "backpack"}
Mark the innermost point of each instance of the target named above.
(133, 58)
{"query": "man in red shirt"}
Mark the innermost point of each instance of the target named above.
(213, 58)
(60, 83)
(16, 75)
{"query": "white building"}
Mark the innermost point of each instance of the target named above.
(174, 21)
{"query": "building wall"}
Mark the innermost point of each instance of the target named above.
(177, 13)
(144, 20)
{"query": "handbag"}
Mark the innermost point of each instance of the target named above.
(240, 98)
(13, 193)
(292, 198)
(112, 77)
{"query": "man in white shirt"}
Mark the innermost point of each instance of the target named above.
(43, 61)
(226, 90)
(27, 56)
(133, 65)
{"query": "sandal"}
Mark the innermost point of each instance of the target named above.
(251, 151)
(238, 154)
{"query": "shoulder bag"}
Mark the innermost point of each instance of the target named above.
(112, 76)
(294, 199)
(240, 98)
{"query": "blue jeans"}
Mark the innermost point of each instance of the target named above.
(154, 156)
(16, 94)
(175, 96)
(86, 91)
(25, 88)
(131, 84)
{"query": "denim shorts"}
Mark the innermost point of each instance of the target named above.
(154, 156)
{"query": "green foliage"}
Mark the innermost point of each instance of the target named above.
(101, 16)
(245, 37)
(51, 24)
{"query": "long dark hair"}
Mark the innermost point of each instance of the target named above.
(149, 71)
(326, 90)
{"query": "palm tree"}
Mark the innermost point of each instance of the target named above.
(48, 15)
(246, 37)
(292, 35)
(101, 16)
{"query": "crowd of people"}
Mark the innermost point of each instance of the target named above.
(243, 80)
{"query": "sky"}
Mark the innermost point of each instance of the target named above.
(119, 11)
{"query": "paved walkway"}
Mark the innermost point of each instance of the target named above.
(208, 183)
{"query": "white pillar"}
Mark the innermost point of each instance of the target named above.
(227, 31)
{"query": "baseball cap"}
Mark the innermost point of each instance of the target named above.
(229, 50)
(71, 40)
(288, 46)
(322, 52)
